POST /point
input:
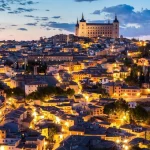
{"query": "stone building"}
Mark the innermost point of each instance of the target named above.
(84, 29)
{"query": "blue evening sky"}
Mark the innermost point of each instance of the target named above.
(31, 19)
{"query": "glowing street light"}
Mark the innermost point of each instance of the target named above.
(126, 147)
(67, 124)
(124, 117)
(42, 117)
(118, 141)
(34, 114)
(45, 143)
(125, 141)
(58, 120)
(61, 136)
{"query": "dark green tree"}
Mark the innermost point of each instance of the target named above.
(116, 107)
(70, 92)
(139, 114)
(46, 92)
(14, 92)
(109, 108)
(51, 133)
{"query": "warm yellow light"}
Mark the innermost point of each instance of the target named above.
(138, 94)
(124, 117)
(125, 94)
(45, 143)
(35, 120)
(129, 54)
(61, 136)
(34, 114)
(67, 124)
(118, 141)
(58, 120)
(126, 147)
(2, 148)
(42, 117)
(86, 97)
(125, 141)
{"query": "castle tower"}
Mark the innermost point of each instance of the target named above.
(116, 28)
(77, 28)
(82, 27)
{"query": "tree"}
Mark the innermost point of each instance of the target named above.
(135, 77)
(109, 108)
(139, 114)
(1, 86)
(128, 62)
(70, 92)
(49, 91)
(121, 105)
(14, 92)
(118, 107)
(144, 50)
(52, 131)
(135, 148)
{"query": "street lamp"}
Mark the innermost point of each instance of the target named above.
(125, 141)
(126, 147)
(118, 141)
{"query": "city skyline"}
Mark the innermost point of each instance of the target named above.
(31, 19)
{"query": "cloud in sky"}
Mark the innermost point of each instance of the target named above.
(31, 24)
(134, 22)
(56, 17)
(13, 25)
(39, 14)
(96, 12)
(41, 18)
(28, 3)
(21, 10)
(131, 22)
(22, 29)
(65, 26)
(1, 9)
(29, 16)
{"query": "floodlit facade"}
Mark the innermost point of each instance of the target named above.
(84, 29)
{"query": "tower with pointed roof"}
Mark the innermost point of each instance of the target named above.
(115, 27)
(77, 28)
(82, 19)
(82, 27)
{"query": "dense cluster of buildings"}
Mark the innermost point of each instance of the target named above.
(94, 64)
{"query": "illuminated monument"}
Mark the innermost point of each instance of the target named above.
(84, 29)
